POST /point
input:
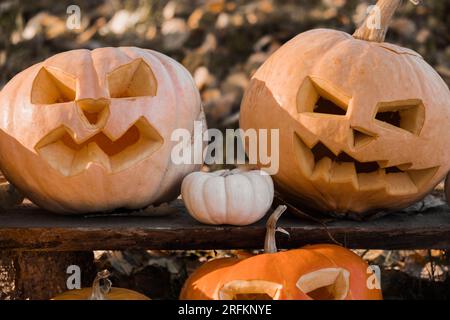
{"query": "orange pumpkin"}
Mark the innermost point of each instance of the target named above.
(363, 123)
(90, 130)
(101, 290)
(318, 272)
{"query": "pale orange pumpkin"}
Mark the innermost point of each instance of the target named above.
(90, 130)
(316, 272)
(101, 290)
(363, 123)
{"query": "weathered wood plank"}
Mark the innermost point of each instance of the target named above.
(30, 228)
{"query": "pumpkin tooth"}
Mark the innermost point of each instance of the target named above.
(344, 173)
(371, 181)
(399, 183)
(305, 156)
(421, 177)
(79, 162)
(322, 170)
(87, 155)
(97, 155)
(58, 155)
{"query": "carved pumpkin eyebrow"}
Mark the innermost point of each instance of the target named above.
(134, 79)
(317, 95)
(52, 86)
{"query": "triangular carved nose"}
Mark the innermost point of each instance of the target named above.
(362, 137)
(95, 111)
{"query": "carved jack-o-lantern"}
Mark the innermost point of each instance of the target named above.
(90, 130)
(364, 124)
(317, 272)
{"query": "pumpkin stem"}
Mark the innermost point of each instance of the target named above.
(375, 25)
(270, 243)
(101, 286)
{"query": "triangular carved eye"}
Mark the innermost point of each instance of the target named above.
(134, 79)
(325, 284)
(52, 86)
(318, 96)
(408, 115)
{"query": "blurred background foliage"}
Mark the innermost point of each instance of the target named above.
(222, 43)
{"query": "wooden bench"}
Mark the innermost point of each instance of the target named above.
(41, 245)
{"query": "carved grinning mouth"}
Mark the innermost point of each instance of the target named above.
(323, 167)
(69, 157)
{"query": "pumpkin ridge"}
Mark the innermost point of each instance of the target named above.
(210, 205)
(167, 63)
(250, 181)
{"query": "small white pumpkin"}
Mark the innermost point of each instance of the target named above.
(233, 197)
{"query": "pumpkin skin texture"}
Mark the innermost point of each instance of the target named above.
(234, 197)
(90, 131)
(363, 125)
(114, 294)
(276, 275)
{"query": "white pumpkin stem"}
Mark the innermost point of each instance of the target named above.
(101, 286)
(270, 243)
(374, 27)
